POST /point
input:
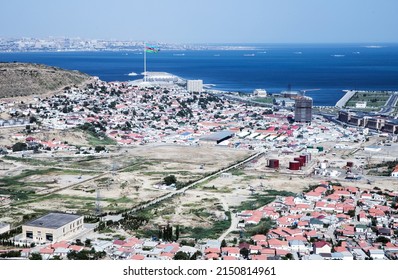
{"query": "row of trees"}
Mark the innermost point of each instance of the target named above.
(166, 233)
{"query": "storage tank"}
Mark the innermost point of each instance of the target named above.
(294, 165)
(273, 163)
(300, 160)
(304, 158)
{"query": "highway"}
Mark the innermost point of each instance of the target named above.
(388, 108)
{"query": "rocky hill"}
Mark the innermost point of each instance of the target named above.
(22, 79)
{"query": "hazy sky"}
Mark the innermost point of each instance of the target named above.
(204, 21)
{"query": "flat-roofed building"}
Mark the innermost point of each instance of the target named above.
(391, 126)
(194, 85)
(216, 137)
(52, 227)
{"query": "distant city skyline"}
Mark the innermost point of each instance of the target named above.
(221, 21)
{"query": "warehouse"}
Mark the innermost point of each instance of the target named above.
(52, 227)
(216, 138)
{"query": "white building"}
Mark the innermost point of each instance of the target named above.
(52, 227)
(360, 104)
(195, 85)
(260, 92)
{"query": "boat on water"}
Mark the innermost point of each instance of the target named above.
(178, 54)
(132, 74)
(338, 55)
(249, 54)
(298, 53)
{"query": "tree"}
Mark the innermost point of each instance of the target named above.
(196, 255)
(35, 256)
(223, 243)
(288, 256)
(351, 213)
(244, 252)
(177, 232)
(169, 180)
(382, 239)
(87, 243)
(181, 256)
(98, 149)
(17, 147)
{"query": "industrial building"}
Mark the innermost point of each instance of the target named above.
(303, 109)
(216, 137)
(194, 85)
(52, 227)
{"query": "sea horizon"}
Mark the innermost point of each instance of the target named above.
(323, 71)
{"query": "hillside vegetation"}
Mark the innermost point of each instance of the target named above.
(23, 79)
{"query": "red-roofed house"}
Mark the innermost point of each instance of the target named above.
(281, 252)
(258, 257)
(212, 256)
(138, 257)
(259, 237)
(166, 256)
(313, 196)
(254, 249)
(229, 258)
(212, 250)
(303, 225)
(278, 244)
(268, 251)
(321, 247)
(311, 234)
(352, 190)
(320, 189)
(46, 251)
(342, 193)
(231, 251)
(284, 222)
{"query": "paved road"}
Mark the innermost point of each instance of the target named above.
(388, 108)
(341, 103)
(234, 221)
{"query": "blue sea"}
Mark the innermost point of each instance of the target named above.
(328, 68)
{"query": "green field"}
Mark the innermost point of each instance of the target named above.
(374, 99)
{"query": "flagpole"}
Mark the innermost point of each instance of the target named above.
(144, 62)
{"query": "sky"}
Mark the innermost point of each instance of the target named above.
(204, 21)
